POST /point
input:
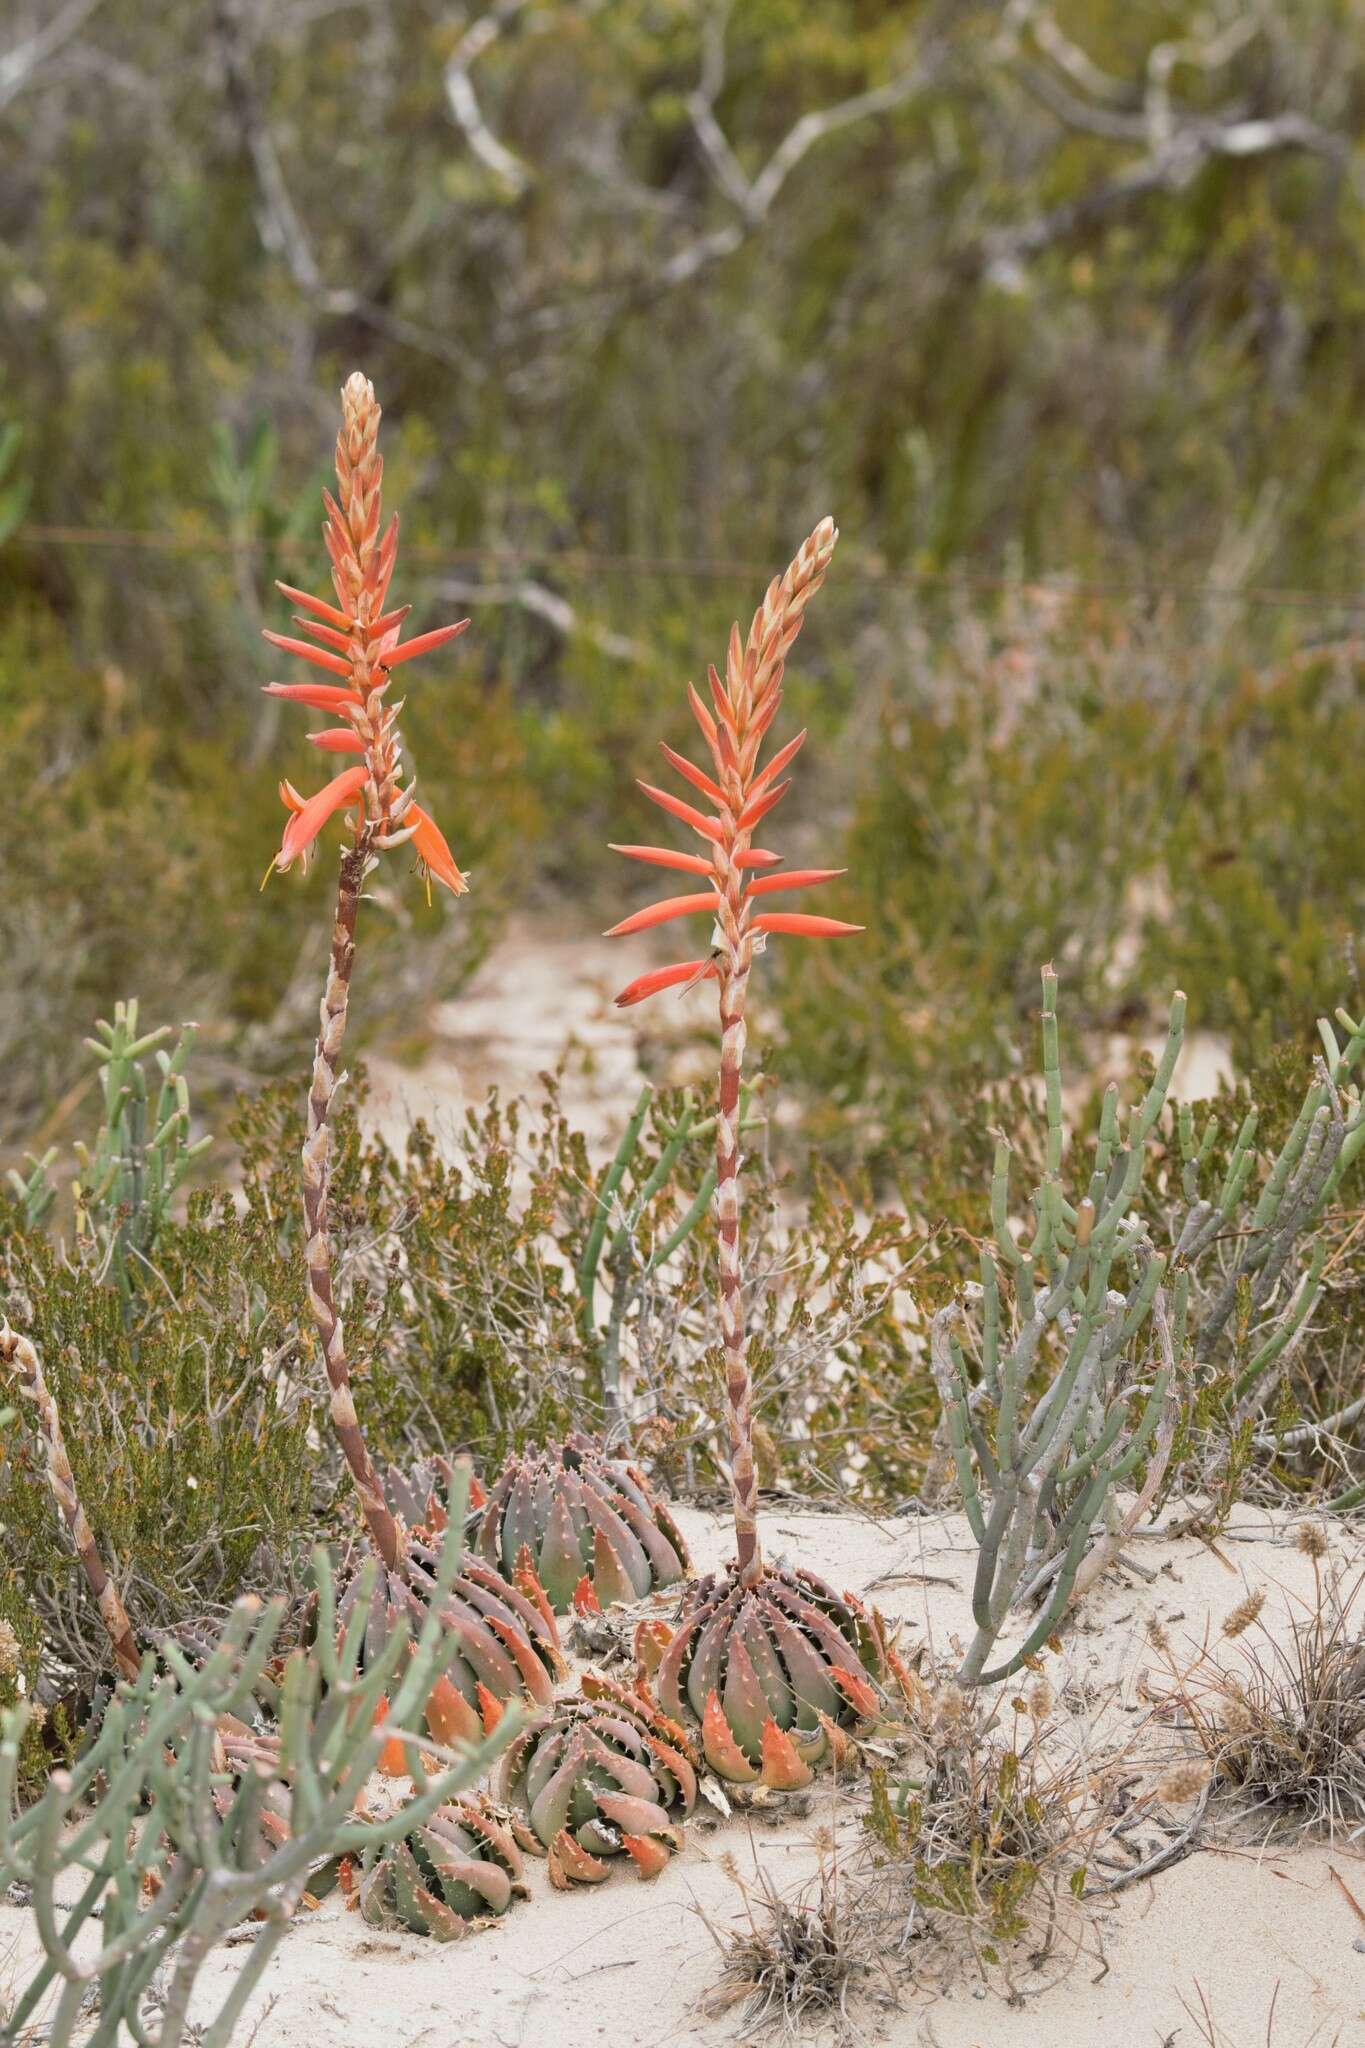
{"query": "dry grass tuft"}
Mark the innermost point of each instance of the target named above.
(798, 1965)
(1286, 1728)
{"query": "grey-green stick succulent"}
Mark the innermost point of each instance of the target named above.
(1116, 1325)
(141, 1154)
(617, 1222)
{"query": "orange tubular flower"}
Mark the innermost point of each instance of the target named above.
(740, 793)
(358, 642)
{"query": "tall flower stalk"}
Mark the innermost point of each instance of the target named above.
(742, 794)
(770, 1661)
(359, 644)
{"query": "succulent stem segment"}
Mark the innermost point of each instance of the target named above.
(358, 645)
(18, 1355)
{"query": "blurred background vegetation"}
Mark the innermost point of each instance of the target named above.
(1056, 308)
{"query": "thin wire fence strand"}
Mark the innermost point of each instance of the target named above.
(584, 562)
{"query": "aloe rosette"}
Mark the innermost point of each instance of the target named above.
(502, 1643)
(457, 1871)
(607, 1774)
(417, 1493)
(588, 1526)
(775, 1673)
(771, 1662)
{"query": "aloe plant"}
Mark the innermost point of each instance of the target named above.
(500, 1642)
(503, 1644)
(175, 1823)
(456, 1871)
(607, 1774)
(358, 644)
(773, 1673)
(588, 1526)
(748, 1607)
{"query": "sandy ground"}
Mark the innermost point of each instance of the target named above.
(545, 994)
(541, 996)
(628, 1963)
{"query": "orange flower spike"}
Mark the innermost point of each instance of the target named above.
(360, 645)
(356, 640)
(746, 702)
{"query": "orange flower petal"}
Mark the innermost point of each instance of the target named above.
(328, 635)
(337, 663)
(665, 977)
(433, 852)
(305, 825)
(337, 739)
(790, 878)
(709, 828)
(778, 763)
(801, 926)
(721, 699)
(759, 806)
(660, 913)
(702, 716)
(316, 605)
(408, 650)
(317, 696)
(709, 789)
(666, 857)
(377, 628)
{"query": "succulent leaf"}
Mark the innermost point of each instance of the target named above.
(773, 1673)
(458, 1871)
(500, 1646)
(580, 1519)
(606, 1770)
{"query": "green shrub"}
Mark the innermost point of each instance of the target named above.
(1140, 809)
(187, 1421)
